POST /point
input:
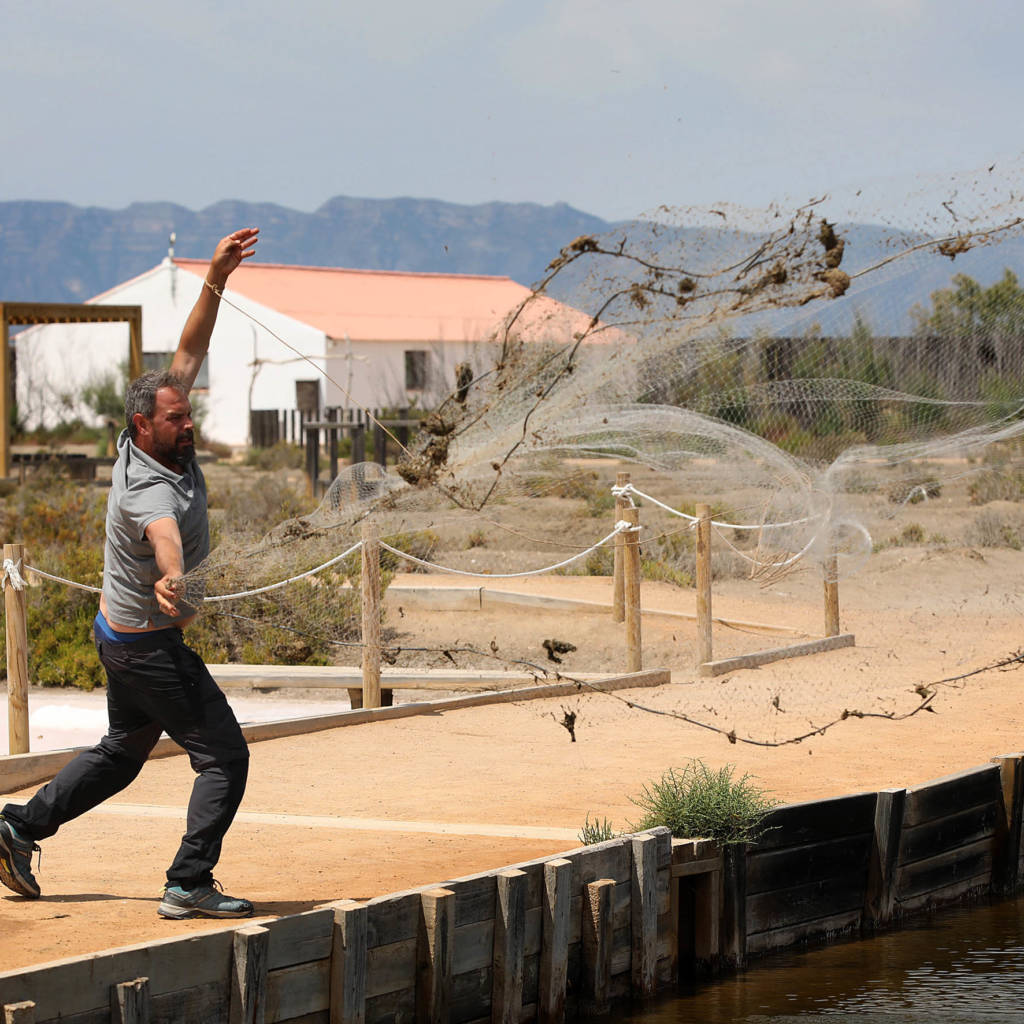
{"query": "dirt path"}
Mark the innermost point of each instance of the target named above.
(323, 816)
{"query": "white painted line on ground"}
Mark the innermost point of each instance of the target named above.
(351, 824)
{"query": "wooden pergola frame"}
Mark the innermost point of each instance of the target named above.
(19, 314)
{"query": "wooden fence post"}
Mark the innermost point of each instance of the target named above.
(435, 950)
(312, 439)
(832, 595)
(631, 574)
(348, 964)
(17, 658)
(618, 579)
(734, 903)
(1009, 843)
(129, 1002)
(371, 614)
(644, 914)
(554, 950)
(597, 944)
(20, 1013)
(880, 897)
(704, 648)
(249, 975)
(509, 947)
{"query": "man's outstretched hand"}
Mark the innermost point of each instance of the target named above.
(230, 253)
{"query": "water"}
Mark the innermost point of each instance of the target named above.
(963, 965)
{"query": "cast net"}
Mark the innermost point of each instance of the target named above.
(811, 373)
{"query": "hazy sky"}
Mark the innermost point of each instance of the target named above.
(609, 105)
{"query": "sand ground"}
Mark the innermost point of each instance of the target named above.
(371, 809)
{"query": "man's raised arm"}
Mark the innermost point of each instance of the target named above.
(195, 336)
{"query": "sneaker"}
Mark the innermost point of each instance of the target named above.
(202, 901)
(16, 861)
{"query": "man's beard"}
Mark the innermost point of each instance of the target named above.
(180, 453)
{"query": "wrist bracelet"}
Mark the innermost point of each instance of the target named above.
(213, 288)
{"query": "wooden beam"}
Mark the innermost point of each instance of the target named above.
(598, 935)
(129, 1002)
(20, 1013)
(880, 896)
(249, 975)
(370, 591)
(832, 596)
(435, 950)
(509, 946)
(644, 914)
(758, 658)
(348, 964)
(17, 658)
(703, 511)
(554, 951)
(1009, 845)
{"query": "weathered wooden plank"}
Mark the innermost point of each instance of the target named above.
(249, 975)
(597, 944)
(348, 964)
(602, 860)
(474, 946)
(781, 938)
(298, 990)
(20, 1013)
(622, 953)
(938, 798)
(211, 1001)
(880, 897)
(734, 903)
(554, 955)
(534, 925)
(471, 996)
(946, 870)
(474, 899)
(390, 968)
(299, 938)
(509, 938)
(392, 1007)
(644, 913)
(129, 1002)
(947, 895)
(170, 965)
(435, 955)
(320, 1017)
(392, 919)
(814, 821)
(784, 908)
(797, 865)
(757, 658)
(948, 833)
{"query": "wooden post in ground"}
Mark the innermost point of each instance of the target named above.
(129, 1002)
(598, 932)
(249, 975)
(703, 583)
(880, 895)
(17, 658)
(435, 949)
(644, 914)
(832, 595)
(509, 947)
(348, 964)
(371, 614)
(631, 574)
(618, 579)
(20, 1013)
(1009, 848)
(554, 949)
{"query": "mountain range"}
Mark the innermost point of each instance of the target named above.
(58, 252)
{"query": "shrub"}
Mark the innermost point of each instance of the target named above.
(695, 801)
(993, 485)
(596, 831)
(995, 528)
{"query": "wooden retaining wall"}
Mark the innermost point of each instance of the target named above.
(566, 935)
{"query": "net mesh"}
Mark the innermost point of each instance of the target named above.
(811, 373)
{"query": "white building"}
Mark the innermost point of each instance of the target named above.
(288, 337)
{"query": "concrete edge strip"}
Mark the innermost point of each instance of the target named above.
(20, 770)
(441, 828)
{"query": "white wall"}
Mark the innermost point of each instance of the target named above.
(56, 361)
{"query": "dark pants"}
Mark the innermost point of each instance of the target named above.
(154, 684)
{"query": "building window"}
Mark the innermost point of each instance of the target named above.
(162, 361)
(416, 370)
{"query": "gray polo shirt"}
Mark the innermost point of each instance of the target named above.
(141, 492)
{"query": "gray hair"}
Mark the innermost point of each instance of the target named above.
(141, 395)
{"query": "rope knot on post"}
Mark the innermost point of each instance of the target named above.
(12, 575)
(624, 526)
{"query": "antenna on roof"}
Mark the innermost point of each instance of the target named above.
(170, 245)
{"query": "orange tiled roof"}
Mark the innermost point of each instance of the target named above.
(377, 305)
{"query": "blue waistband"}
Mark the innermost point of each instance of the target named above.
(112, 636)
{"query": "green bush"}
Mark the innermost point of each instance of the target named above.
(696, 802)
(596, 831)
